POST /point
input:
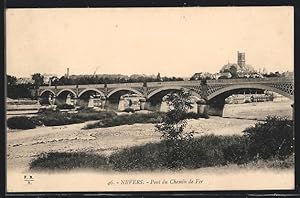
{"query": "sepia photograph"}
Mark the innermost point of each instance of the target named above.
(149, 99)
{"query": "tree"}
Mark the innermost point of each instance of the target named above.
(15, 90)
(11, 80)
(38, 79)
(54, 80)
(174, 123)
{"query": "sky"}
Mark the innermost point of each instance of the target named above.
(172, 41)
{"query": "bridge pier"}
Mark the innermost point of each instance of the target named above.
(143, 103)
(60, 101)
(90, 102)
(215, 110)
(81, 102)
(164, 107)
(103, 102)
(201, 106)
(215, 107)
(69, 100)
(123, 104)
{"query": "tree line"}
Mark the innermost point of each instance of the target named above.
(109, 79)
(28, 89)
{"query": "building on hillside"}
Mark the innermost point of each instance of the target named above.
(224, 75)
(48, 77)
(231, 70)
(202, 75)
(241, 68)
(24, 81)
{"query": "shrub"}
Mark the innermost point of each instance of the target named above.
(68, 161)
(85, 116)
(44, 110)
(65, 106)
(129, 110)
(55, 119)
(235, 149)
(273, 138)
(193, 115)
(200, 152)
(20, 122)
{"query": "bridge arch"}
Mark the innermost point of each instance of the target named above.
(91, 89)
(66, 90)
(124, 89)
(47, 90)
(249, 86)
(172, 88)
(46, 97)
(156, 102)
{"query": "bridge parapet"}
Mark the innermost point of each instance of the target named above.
(173, 83)
(128, 85)
(251, 80)
(92, 86)
(58, 87)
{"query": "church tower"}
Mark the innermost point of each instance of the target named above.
(241, 61)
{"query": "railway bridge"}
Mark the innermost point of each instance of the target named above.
(211, 93)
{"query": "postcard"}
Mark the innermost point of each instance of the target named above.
(150, 99)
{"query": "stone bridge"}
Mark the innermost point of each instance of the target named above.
(212, 92)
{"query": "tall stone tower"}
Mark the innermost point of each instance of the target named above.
(68, 73)
(241, 61)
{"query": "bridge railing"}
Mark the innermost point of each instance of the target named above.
(140, 84)
(58, 87)
(173, 83)
(247, 80)
(91, 86)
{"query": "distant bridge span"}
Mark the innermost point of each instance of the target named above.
(208, 90)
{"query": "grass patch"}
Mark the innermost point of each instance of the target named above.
(288, 162)
(68, 161)
(49, 118)
(267, 144)
(205, 151)
(155, 117)
(193, 115)
(65, 106)
(58, 118)
(106, 119)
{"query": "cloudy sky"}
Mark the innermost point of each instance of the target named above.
(172, 41)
